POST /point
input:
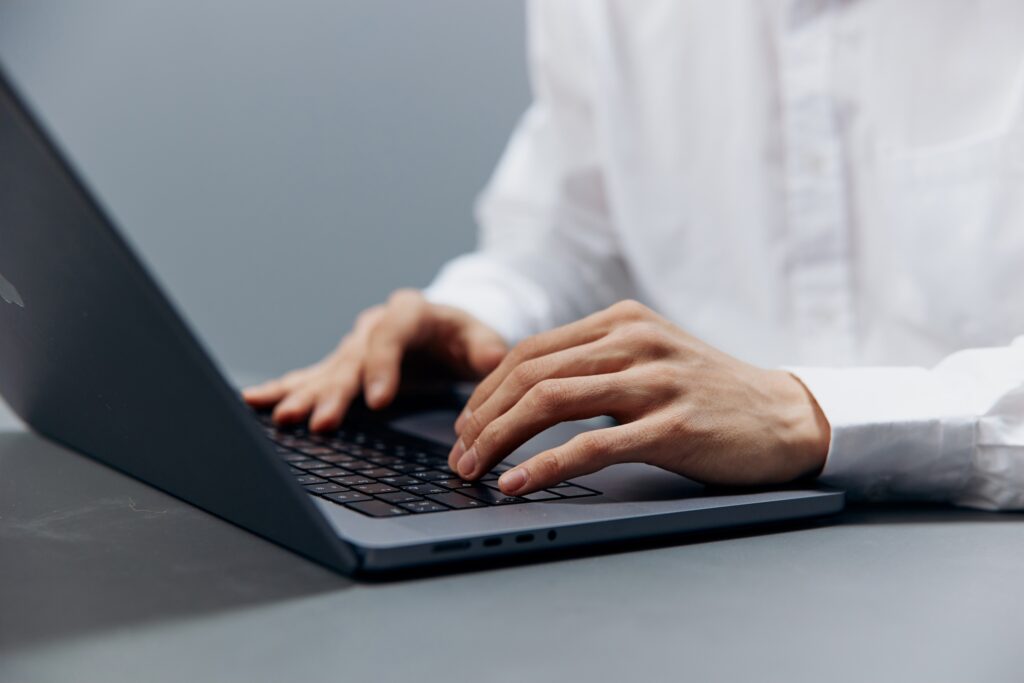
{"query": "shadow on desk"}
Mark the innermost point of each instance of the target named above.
(84, 548)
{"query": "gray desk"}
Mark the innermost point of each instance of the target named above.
(105, 579)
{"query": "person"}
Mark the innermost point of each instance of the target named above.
(774, 240)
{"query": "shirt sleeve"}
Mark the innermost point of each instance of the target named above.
(547, 251)
(953, 433)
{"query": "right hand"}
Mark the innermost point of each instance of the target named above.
(369, 359)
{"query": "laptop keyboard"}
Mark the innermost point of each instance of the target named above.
(383, 473)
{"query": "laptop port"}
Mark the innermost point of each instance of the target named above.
(524, 538)
(451, 546)
(492, 542)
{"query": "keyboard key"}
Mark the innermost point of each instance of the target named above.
(376, 489)
(347, 497)
(456, 500)
(329, 487)
(315, 450)
(423, 506)
(454, 483)
(332, 472)
(310, 465)
(399, 497)
(396, 468)
(432, 475)
(383, 460)
(378, 472)
(408, 467)
(541, 495)
(489, 495)
(574, 491)
(354, 480)
(377, 508)
(399, 481)
(337, 458)
(425, 489)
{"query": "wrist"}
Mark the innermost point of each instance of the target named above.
(809, 434)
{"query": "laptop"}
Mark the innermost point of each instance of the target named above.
(93, 356)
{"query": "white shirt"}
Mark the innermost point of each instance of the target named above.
(836, 187)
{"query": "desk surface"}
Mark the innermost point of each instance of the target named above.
(105, 579)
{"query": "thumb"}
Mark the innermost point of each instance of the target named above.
(485, 348)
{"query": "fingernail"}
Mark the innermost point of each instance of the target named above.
(513, 480)
(460, 421)
(457, 450)
(467, 464)
(375, 392)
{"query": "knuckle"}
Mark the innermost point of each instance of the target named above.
(525, 374)
(553, 466)
(292, 378)
(591, 445)
(473, 427)
(645, 336)
(405, 296)
(547, 395)
(342, 385)
(630, 309)
(370, 316)
(485, 441)
(527, 348)
(350, 348)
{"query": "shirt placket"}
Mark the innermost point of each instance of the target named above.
(815, 187)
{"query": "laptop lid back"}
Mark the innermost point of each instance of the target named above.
(93, 356)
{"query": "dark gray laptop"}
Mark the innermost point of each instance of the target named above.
(93, 356)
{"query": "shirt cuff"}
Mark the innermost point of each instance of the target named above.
(896, 432)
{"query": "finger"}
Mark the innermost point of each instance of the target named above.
(582, 331)
(264, 395)
(269, 393)
(595, 358)
(398, 329)
(485, 348)
(583, 454)
(545, 405)
(295, 407)
(332, 405)
(579, 332)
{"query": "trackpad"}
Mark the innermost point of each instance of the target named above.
(432, 425)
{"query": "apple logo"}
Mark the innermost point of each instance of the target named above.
(9, 293)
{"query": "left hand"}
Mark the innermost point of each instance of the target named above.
(681, 405)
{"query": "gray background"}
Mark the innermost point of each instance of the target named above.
(280, 165)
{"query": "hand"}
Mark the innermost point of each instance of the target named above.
(371, 357)
(681, 404)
